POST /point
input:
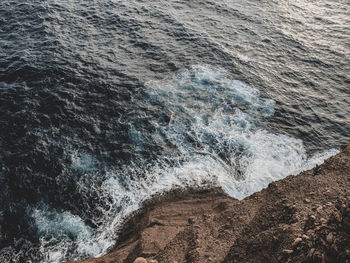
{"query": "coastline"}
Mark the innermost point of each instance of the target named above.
(301, 218)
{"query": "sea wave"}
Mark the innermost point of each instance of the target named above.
(218, 127)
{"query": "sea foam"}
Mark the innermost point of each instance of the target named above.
(217, 126)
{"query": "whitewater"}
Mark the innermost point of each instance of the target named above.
(215, 125)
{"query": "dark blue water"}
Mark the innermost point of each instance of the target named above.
(105, 103)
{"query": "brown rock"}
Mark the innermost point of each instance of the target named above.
(330, 237)
(297, 241)
(317, 256)
(310, 253)
(310, 222)
(306, 237)
(140, 260)
(310, 232)
(247, 230)
(287, 251)
(191, 220)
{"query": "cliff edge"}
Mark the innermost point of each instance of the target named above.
(303, 218)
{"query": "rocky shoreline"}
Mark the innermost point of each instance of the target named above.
(303, 218)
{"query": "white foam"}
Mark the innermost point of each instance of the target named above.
(217, 126)
(83, 163)
(61, 231)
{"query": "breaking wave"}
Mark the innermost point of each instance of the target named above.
(216, 134)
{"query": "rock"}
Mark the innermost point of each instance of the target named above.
(191, 220)
(297, 241)
(222, 206)
(140, 260)
(310, 222)
(310, 253)
(305, 237)
(287, 251)
(317, 256)
(307, 200)
(208, 258)
(330, 237)
(153, 261)
(309, 232)
(296, 218)
(319, 209)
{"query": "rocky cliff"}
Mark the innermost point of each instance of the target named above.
(303, 218)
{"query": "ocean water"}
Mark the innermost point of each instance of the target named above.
(105, 103)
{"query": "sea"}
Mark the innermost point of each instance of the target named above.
(106, 103)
